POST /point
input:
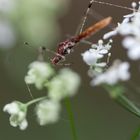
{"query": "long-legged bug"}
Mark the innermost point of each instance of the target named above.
(103, 3)
(66, 46)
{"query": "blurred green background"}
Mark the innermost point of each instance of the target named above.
(46, 23)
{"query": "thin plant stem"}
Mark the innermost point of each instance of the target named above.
(128, 105)
(35, 100)
(136, 134)
(71, 118)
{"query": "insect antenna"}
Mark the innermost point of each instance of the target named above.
(114, 5)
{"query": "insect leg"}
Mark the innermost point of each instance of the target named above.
(85, 16)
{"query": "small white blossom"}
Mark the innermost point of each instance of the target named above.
(123, 28)
(134, 4)
(63, 85)
(110, 34)
(91, 56)
(38, 74)
(47, 112)
(118, 72)
(101, 64)
(17, 110)
(97, 52)
(133, 46)
(130, 29)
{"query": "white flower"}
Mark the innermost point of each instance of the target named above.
(63, 85)
(130, 29)
(97, 52)
(47, 112)
(126, 27)
(91, 56)
(17, 110)
(118, 72)
(133, 46)
(110, 34)
(123, 28)
(134, 5)
(38, 74)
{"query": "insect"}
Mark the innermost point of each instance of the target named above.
(66, 46)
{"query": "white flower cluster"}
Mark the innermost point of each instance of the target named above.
(130, 28)
(117, 72)
(93, 56)
(99, 73)
(48, 111)
(98, 70)
(41, 74)
(18, 114)
(63, 85)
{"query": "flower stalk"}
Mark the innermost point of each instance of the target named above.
(35, 100)
(121, 99)
(71, 118)
(128, 105)
(136, 134)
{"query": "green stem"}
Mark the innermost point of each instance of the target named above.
(127, 104)
(136, 134)
(35, 100)
(117, 94)
(71, 117)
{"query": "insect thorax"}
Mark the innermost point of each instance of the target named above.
(66, 47)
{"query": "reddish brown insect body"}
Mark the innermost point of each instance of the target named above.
(66, 47)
